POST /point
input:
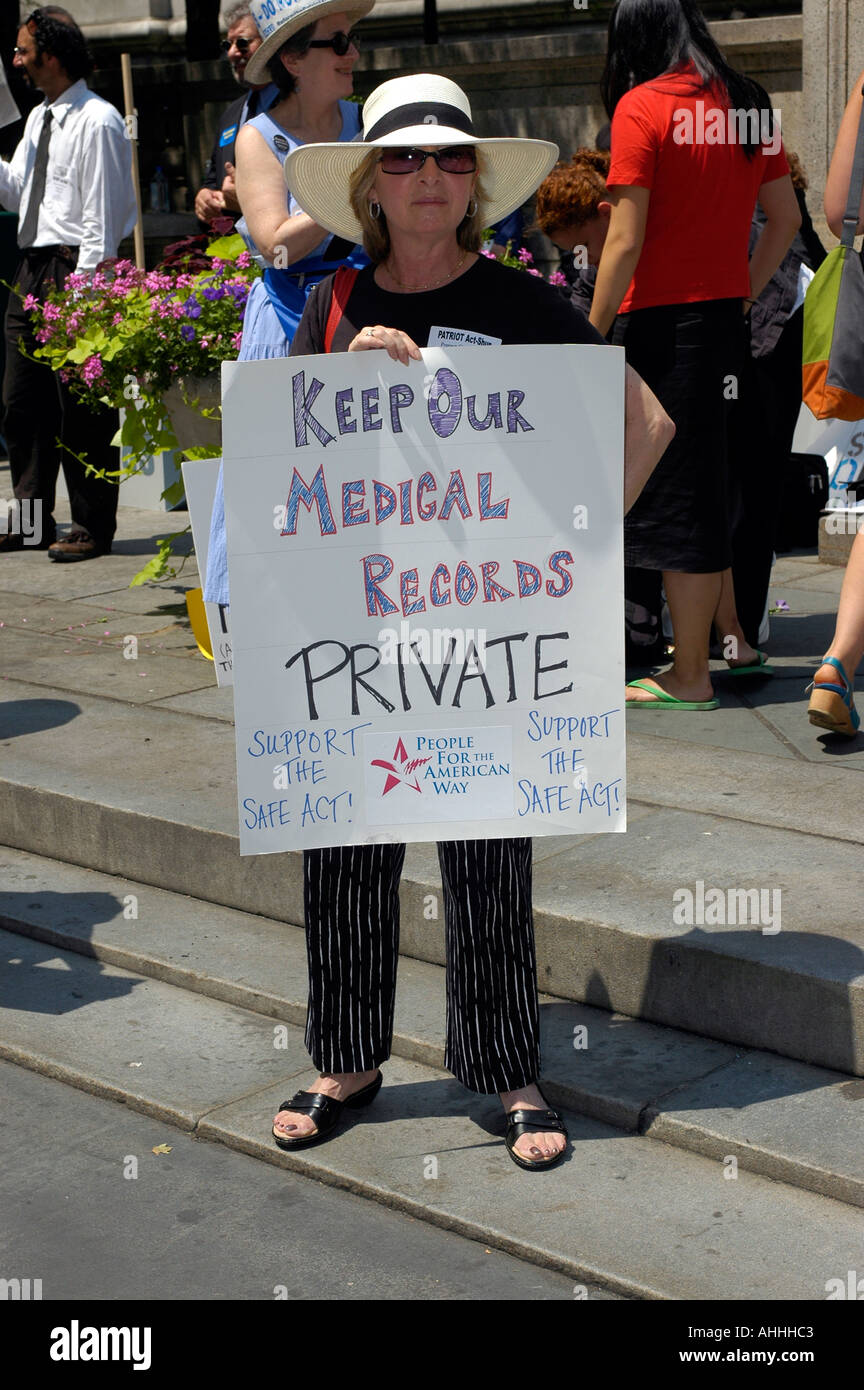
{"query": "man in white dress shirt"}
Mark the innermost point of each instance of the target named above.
(70, 182)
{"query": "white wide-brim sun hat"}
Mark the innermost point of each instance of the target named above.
(422, 109)
(277, 20)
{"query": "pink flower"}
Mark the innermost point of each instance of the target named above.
(556, 278)
(92, 369)
(524, 255)
(117, 319)
(30, 302)
(535, 272)
(244, 259)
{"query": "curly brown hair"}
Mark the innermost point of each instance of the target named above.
(570, 195)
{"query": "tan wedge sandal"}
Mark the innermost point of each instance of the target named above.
(831, 706)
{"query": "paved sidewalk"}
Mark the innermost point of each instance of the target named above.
(117, 787)
(64, 626)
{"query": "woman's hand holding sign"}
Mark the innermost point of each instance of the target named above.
(399, 346)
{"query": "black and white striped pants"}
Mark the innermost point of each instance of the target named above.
(352, 938)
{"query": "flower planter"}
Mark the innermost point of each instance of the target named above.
(194, 430)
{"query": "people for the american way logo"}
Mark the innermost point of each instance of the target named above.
(402, 771)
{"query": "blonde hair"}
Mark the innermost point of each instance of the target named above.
(376, 236)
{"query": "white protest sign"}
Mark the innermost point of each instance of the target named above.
(9, 112)
(426, 579)
(841, 444)
(199, 481)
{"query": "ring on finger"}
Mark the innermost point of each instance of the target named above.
(369, 332)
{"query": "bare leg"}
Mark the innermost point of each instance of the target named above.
(736, 649)
(693, 601)
(847, 644)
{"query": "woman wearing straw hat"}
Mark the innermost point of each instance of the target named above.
(420, 209)
(308, 50)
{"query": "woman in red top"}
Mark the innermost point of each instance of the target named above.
(693, 145)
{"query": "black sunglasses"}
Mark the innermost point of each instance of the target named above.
(242, 45)
(340, 43)
(456, 159)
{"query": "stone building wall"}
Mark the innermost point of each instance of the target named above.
(529, 68)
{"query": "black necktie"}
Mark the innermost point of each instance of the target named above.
(27, 228)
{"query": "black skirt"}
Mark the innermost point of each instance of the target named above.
(691, 356)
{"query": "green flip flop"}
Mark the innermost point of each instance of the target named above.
(663, 700)
(756, 668)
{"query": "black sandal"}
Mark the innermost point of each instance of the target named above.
(326, 1112)
(521, 1122)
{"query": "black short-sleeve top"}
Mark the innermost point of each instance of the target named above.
(489, 299)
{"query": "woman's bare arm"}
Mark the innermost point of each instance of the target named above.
(782, 220)
(262, 195)
(648, 432)
(840, 170)
(621, 252)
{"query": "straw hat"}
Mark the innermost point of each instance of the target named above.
(422, 109)
(277, 20)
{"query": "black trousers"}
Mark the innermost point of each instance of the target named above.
(762, 424)
(685, 353)
(40, 408)
(352, 940)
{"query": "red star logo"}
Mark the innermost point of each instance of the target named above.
(401, 774)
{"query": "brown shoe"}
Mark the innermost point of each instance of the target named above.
(76, 546)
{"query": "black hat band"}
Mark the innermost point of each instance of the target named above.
(429, 113)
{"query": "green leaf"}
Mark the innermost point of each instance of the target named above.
(227, 248)
(201, 451)
(158, 567)
(174, 493)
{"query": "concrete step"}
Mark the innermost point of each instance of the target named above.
(151, 796)
(632, 1214)
(785, 1120)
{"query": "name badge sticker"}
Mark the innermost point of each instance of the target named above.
(227, 136)
(452, 337)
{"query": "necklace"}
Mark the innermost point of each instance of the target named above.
(432, 283)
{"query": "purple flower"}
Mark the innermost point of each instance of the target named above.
(192, 308)
(213, 292)
(187, 332)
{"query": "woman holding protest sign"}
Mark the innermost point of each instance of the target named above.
(693, 145)
(420, 210)
(308, 51)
